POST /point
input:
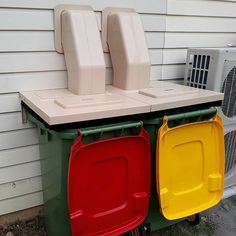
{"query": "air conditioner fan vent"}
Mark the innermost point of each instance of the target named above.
(199, 71)
(230, 151)
(229, 90)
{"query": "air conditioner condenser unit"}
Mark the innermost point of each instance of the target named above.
(215, 69)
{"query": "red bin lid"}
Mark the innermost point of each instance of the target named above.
(109, 184)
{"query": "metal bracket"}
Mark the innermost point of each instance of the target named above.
(24, 114)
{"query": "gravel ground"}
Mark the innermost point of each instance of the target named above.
(218, 221)
(34, 227)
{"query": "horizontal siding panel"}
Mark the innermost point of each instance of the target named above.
(21, 187)
(12, 121)
(155, 56)
(155, 40)
(13, 41)
(184, 40)
(200, 24)
(49, 61)
(15, 82)
(31, 61)
(18, 138)
(174, 56)
(21, 203)
(9, 103)
(172, 72)
(201, 8)
(28, 19)
(153, 6)
(18, 41)
(25, 19)
(19, 155)
(154, 22)
(20, 172)
(156, 72)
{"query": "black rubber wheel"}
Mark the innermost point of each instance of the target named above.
(142, 231)
(139, 231)
(134, 232)
(194, 219)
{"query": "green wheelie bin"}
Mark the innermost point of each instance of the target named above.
(96, 180)
(155, 220)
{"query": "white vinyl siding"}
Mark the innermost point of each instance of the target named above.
(28, 61)
(150, 6)
(195, 23)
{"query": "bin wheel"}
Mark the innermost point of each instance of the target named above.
(142, 230)
(134, 232)
(194, 219)
(139, 231)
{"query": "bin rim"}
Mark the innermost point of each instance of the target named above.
(181, 116)
(73, 133)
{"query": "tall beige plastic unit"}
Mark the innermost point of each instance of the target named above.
(78, 36)
(123, 36)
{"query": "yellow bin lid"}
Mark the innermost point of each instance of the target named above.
(190, 167)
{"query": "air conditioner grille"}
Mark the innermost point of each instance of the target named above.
(230, 151)
(229, 90)
(199, 71)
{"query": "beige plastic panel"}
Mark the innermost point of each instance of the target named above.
(71, 102)
(105, 13)
(164, 95)
(128, 49)
(77, 35)
(60, 106)
(166, 92)
(83, 52)
(57, 21)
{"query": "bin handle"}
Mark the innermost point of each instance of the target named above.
(209, 111)
(192, 114)
(101, 130)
